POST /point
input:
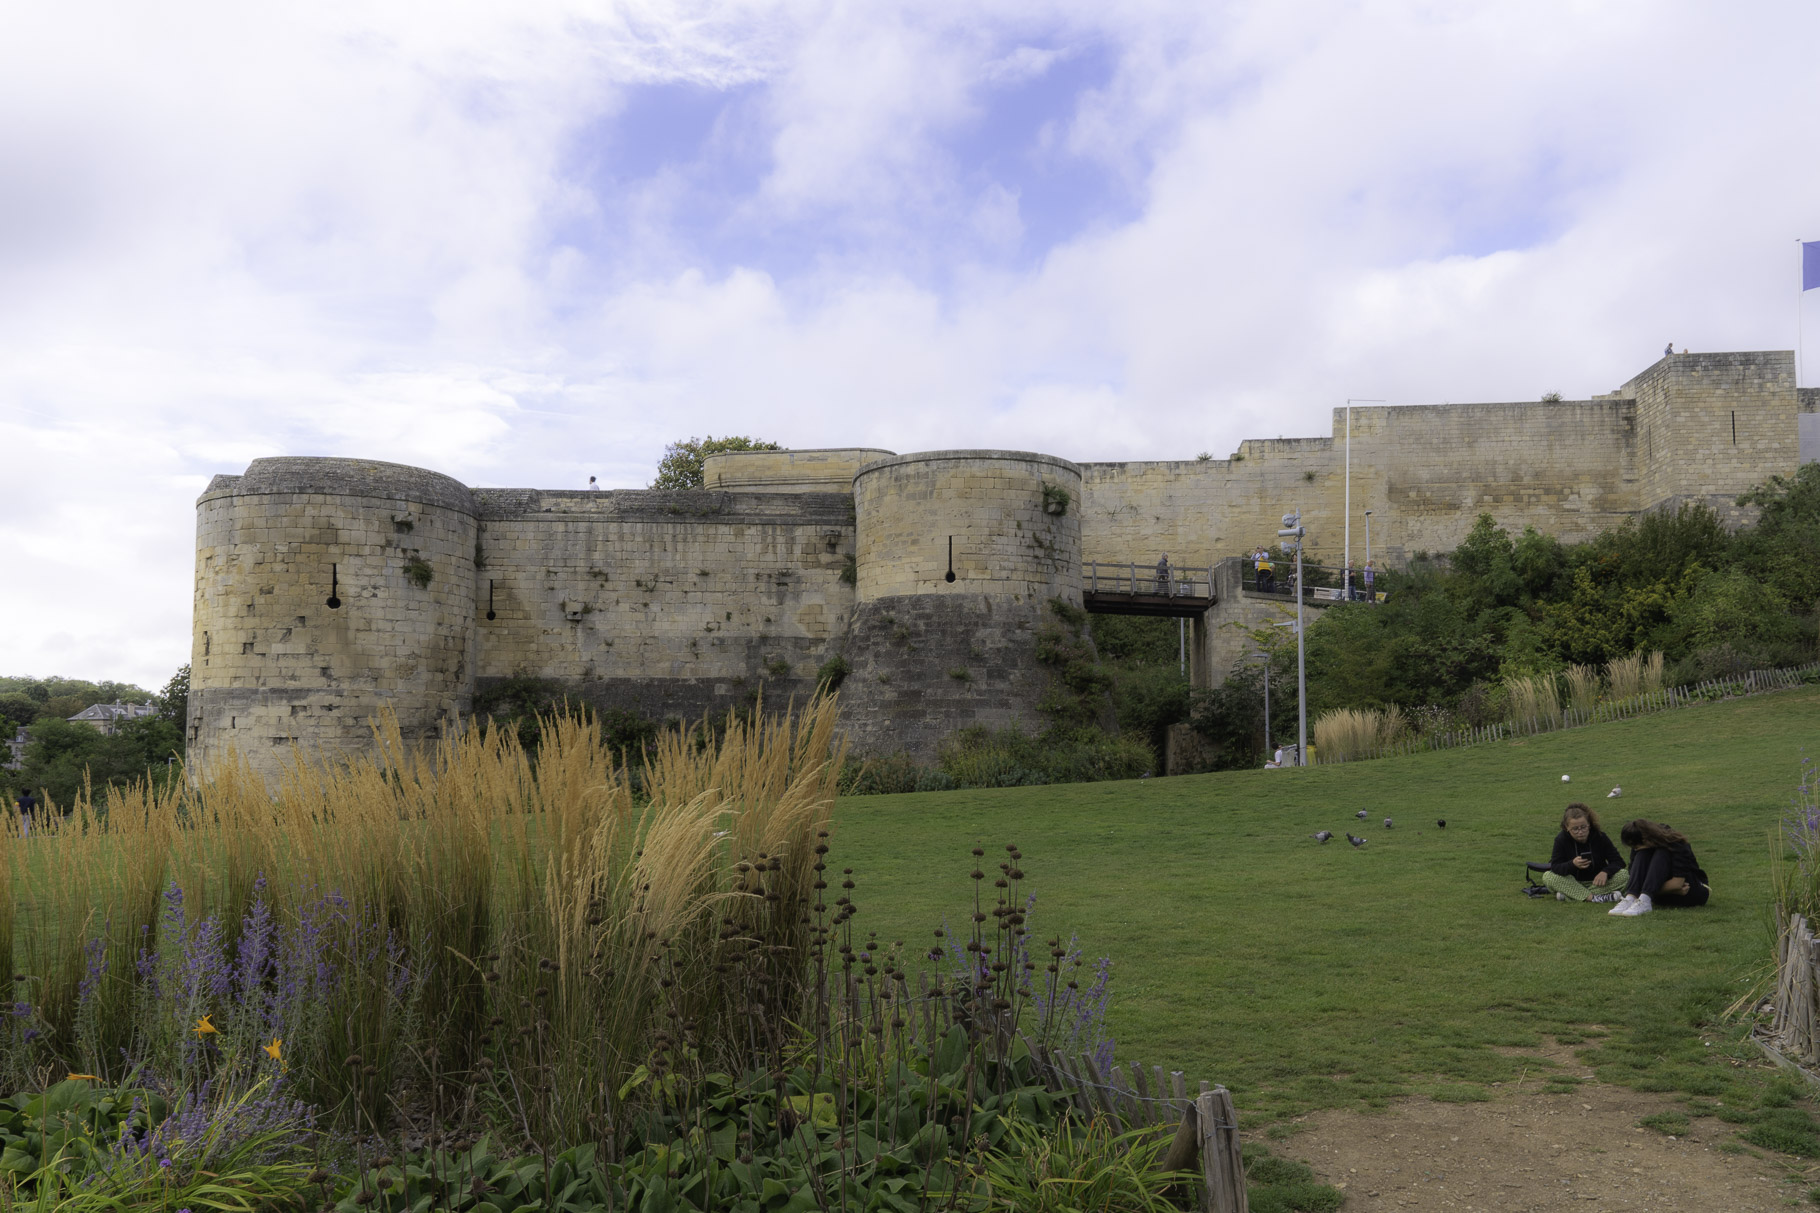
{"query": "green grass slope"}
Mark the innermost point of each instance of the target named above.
(1305, 976)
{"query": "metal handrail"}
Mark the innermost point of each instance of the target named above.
(1133, 578)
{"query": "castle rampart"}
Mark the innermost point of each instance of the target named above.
(678, 603)
(326, 588)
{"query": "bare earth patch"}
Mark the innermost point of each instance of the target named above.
(1525, 1150)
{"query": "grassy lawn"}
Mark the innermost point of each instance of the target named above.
(1306, 976)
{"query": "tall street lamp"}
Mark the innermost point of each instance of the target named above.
(1293, 529)
(1367, 538)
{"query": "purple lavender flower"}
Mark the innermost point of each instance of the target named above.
(96, 951)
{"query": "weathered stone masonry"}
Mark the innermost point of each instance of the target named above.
(674, 604)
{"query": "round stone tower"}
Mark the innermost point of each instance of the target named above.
(326, 590)
(959, 555)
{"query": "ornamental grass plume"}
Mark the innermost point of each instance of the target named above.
(1625, 676)
(403, 906)
(1535, 702)
(1582, 688)
(1348, 734)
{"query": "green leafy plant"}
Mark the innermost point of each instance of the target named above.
(418, 572)
(832, 672)
(1056, 499)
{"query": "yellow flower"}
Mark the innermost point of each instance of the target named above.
(204, 1027)
(90, 1077)
(272, 1049)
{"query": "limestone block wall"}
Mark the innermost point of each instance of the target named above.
(273, 666)
(667, 603)
(1711, 426)
(817, 471)
(1425, 472)
(928, 656)
(1006, 541)
(1807, 422)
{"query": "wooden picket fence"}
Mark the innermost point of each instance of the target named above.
(1207, 1131)
(1646, 704)
(1795, 1022)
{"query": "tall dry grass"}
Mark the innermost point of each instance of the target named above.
(1582, 688)
(1348, 734)
(1637, 674)
(418, 925)
(1535, 702)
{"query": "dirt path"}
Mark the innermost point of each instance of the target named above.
(1528, 1151)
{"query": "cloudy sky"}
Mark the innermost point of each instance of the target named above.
(525, 243)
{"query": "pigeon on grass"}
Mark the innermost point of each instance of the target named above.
(1355, 841)
(1362, 814)
(1441, 823)
(1387, 823)
(1321, 835)
(1614, 793)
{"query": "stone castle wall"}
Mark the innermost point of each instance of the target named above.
(666, 603)
(272, 663)
(675, 604)
(927, 655)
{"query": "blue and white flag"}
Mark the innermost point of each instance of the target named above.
(1810, 264)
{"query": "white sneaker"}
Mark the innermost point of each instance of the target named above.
(1560, 897)
(1623, 906)
(1639, 906)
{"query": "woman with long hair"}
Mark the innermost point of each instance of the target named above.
(1585, 865)
(1663, 870)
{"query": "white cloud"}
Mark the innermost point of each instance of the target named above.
(231, 231)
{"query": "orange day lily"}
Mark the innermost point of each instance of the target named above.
(204, 1027)
(90, 1077)
(272, 1049)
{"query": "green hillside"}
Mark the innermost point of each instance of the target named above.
(1304, 975)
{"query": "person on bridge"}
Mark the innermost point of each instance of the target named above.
(1368, 579)
(1267, 577)
(1162, 574)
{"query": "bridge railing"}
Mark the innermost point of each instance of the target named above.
(1320, 582)
(1133, 578)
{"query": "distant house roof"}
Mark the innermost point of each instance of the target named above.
(108, 712)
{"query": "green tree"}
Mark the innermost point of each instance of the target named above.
(62, 754)
(174, 704)
(17, 709)
(682, 463)
(1783, 549)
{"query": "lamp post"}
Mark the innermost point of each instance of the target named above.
(1293, 529)
(1368, 538)
(1266, 656)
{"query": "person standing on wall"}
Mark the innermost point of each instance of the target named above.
(1369, 596)
(1267, 575)
(592, 483)
(1162, 574)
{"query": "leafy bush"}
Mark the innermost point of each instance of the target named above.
(1008, 758)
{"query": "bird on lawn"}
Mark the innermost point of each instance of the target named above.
(1614, 793)
(1321, 835)
(1357, 842)
(1441, 823)
(1387, 823)
(1362, 814)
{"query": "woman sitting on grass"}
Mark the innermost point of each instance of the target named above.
(1585, 865)
(1663, 870)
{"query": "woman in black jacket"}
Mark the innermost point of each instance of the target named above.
(1585, 865)
(1663, 870)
